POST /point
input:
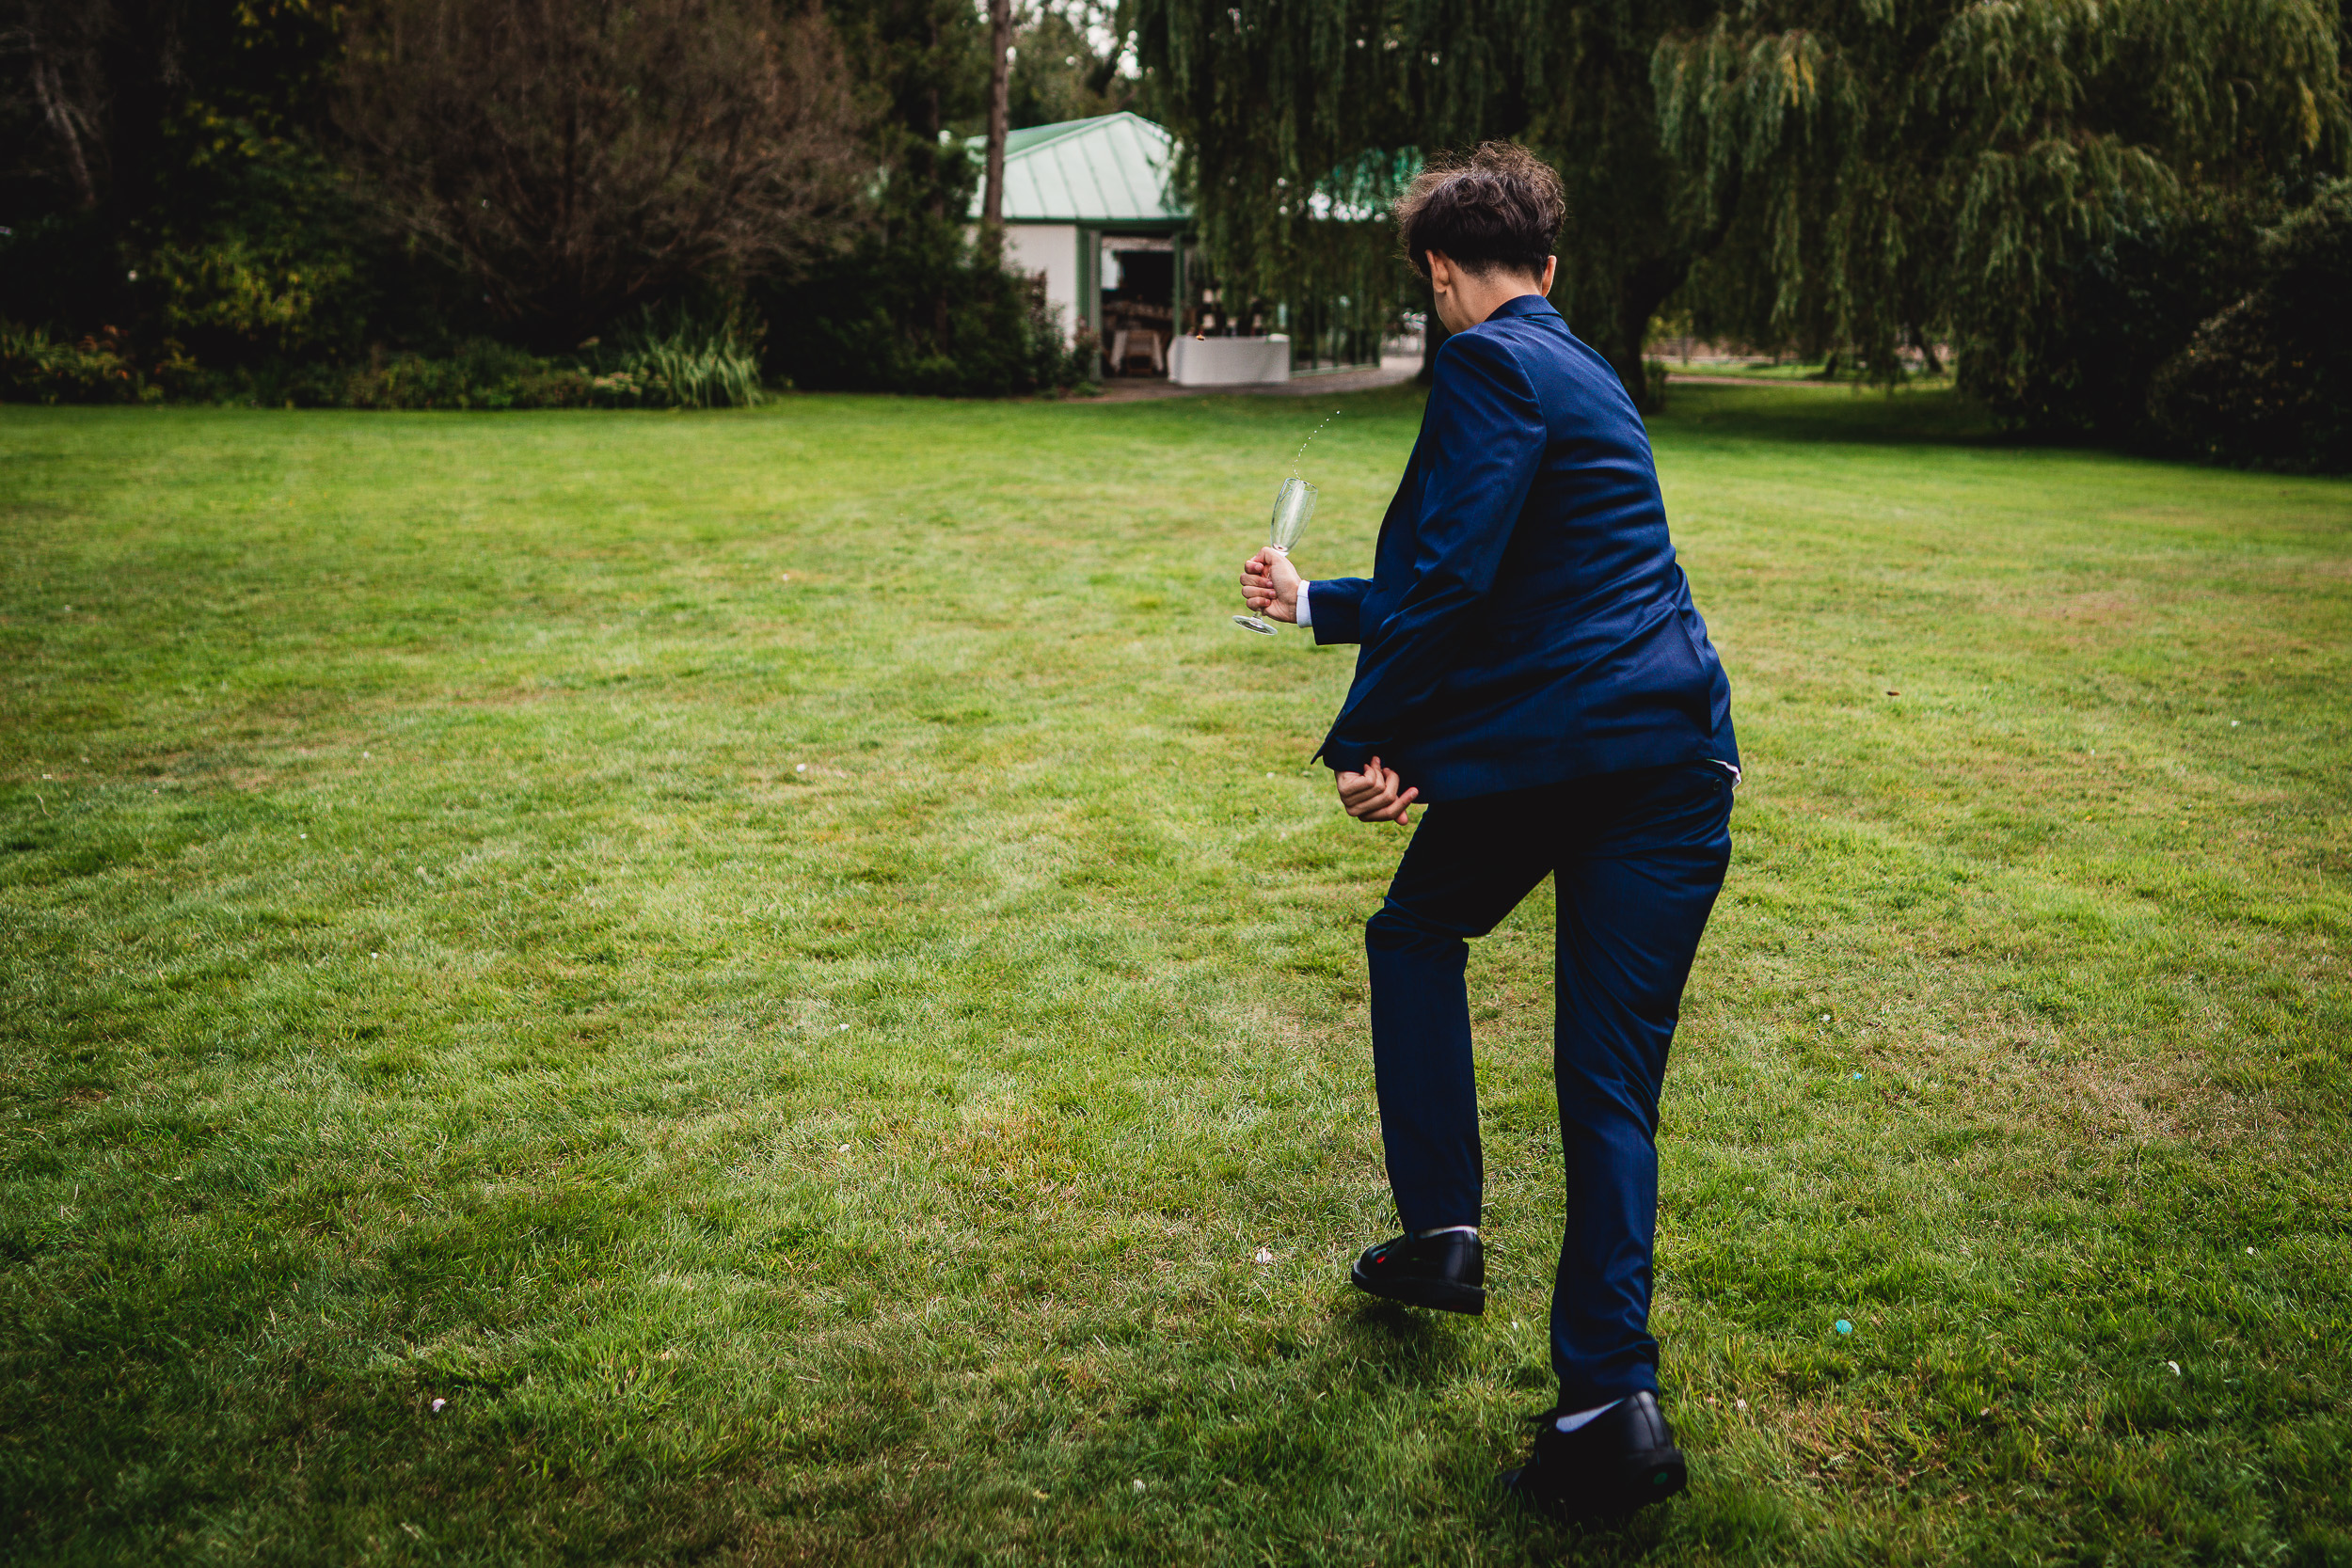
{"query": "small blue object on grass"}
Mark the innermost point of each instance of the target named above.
(1844, 1327)
(1857, 1075)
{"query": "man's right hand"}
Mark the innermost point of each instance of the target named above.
(1375, 794)
(1269, 585)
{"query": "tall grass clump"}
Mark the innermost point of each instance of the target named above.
(674, 357)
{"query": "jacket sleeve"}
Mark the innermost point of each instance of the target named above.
(1339, 609)
(1486, 437)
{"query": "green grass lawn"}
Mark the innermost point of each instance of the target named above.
(786, 965)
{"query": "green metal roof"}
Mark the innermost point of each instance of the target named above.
(1110, 169)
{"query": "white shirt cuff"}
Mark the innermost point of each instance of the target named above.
(1306, 616)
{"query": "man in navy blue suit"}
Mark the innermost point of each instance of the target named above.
(1534, 673)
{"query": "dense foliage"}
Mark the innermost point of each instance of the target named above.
(2119, 311)
(910, 305)
(266, 200)
(2061, 190)
(1888, 170)
(2268, 381)
(579, 158)
(1297, 112)
(442, 202)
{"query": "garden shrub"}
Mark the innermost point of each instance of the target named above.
(2129, 305)
(231, 301)
(101, 367)
(673, 357)
(482, 373)
(934, 319)
(2267, 382)
(678, 358)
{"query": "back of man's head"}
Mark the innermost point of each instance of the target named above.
(1500, 206)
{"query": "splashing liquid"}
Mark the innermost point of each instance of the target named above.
(1311, 435)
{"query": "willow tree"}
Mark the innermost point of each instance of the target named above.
(1299, 119)
(1883, 171)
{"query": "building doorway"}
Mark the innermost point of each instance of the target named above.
(1140, 279)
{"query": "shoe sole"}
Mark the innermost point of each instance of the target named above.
(1441, 1294)
(1660, 1477)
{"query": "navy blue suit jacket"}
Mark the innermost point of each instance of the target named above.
(1525, 621)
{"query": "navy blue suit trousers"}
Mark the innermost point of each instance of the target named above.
(1637, 859)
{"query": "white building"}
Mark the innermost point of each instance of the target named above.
(1088, 207)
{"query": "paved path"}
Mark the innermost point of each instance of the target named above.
(1682, 378)
(1392, 372)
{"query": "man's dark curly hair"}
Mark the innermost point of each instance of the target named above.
(1500, 206)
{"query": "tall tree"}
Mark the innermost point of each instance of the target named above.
(1069, 63)
(1293, 112)
(130, 129)
(583, 156)
(999, 107)
(1885, 171)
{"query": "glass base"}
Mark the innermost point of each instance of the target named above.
(1250, 622)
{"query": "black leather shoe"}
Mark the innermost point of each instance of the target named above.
(1619, 1460)
(1446, 1272)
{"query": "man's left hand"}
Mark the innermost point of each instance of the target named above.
(1375, 794)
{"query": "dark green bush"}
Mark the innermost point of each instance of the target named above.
(2267, 382)
(2128, 307)
(926, 315)
(674, 357)
(679, 358)
(480, 375)
(35, 368)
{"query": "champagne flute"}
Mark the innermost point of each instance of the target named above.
(1292, 505)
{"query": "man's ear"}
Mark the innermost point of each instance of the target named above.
(1551, 270)
(1441, 271)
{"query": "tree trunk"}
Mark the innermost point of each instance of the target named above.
(999, 107)
(1929, 363)
(1644, 286)
(50, 89)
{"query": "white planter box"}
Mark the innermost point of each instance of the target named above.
(1228, 361)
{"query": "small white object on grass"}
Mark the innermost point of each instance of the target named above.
(845, 1148)
(1138, 1483)
(1825, 1018)
(2175, 1366)
(2250, 1252)
(1265, 1256)
(844, 1028)
(1738, 1404)
(800, 768)
(437, 1405)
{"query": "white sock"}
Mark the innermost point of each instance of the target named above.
(1570, 1423)
(1444, 1231)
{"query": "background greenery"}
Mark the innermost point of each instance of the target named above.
(251, 201)
(271, 202)
(784, 964)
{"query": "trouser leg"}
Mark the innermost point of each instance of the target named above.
(1634, 894)
(1468, 863)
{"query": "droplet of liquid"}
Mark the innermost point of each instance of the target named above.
(1311, 435)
